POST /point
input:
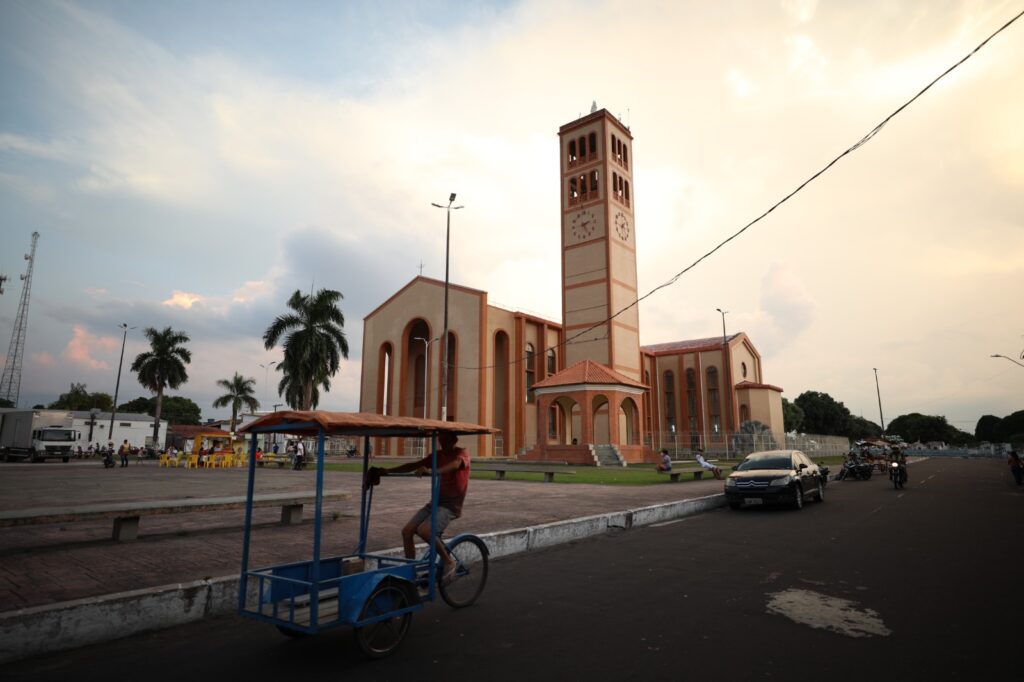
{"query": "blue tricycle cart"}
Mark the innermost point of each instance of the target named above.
(375, 594)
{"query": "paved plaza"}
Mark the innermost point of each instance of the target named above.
(50, 563)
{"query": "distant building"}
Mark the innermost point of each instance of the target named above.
(560, 390)
(136, 428)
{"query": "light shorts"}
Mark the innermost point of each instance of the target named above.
(444, 517)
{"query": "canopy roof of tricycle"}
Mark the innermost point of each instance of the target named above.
(310, 422)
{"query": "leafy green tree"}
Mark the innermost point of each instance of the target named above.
(1011, 428)
(823, 414)
(79, 398)
(292, 391)
(987, 427)
(240, 391)
(859, 428)
(162, 366)
(792, 416)
(919, 427)
(138, 406)
(314, 340)
(178, 409)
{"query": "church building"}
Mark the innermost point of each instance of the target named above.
(582, 390)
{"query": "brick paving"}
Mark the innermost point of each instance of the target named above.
(49, 563)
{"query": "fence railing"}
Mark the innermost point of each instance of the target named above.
(739, 444)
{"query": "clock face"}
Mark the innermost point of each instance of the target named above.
(582, 225)
(622, 226)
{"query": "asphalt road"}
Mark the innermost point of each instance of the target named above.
(919, 584)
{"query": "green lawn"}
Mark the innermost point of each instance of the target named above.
(636, 474)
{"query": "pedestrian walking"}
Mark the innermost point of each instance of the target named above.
(124, 451)
(1013, 459)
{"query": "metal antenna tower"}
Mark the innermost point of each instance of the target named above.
(10, 384)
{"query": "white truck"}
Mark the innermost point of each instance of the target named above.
(36, 435)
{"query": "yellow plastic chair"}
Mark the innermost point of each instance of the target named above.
(174, 461)
(227, 461)
(192, 462)
(165, 460)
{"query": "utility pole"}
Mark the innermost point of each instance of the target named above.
(879, 392)
(444, 360)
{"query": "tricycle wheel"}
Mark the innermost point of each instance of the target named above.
(381, 638)
(294, 634)
(470, 555)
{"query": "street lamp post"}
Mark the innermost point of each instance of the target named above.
(879, 392)
(997, 355)
(444, 361)
(117, 386)
(266, 374)
(725, 376)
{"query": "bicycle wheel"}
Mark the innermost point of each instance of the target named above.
(380, 639)
(470, 555)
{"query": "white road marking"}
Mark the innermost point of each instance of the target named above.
(823, 612)
(899, 496)
(876, 509)
(666, 523)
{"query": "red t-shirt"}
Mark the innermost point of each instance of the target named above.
(454, 484)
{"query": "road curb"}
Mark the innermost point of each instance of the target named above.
(71, 624)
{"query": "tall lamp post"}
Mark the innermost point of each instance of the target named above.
(444, 361)
(266, 374)
(997, 355)
(879, 392)
(725, 375)
(117, 386)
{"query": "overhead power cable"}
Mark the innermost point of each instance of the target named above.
(857, 145)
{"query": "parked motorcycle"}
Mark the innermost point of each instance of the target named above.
(898, 474)
(855, 468)
(108, 459)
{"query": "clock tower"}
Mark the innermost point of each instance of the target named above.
(599, 244)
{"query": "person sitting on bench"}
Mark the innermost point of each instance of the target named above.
(704, 464)
(666, 462)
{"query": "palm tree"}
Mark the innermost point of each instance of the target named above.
(240, 391)
(162, 366)
(292, 391)
(314, 340)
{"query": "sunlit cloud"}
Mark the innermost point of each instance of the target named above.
(252, 290)
(43, 359)
(184, 299)
(82, 347)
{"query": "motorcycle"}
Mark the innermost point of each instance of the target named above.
(108, 459)
(856, 469)
(898, 474)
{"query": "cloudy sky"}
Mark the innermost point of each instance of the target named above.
(193, 163)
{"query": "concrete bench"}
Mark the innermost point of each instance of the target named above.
(126, 515)
(499, 470)
(674, 475)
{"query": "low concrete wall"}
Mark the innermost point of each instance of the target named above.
(43, 629)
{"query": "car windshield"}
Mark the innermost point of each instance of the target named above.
(766, 463)
(58, 435)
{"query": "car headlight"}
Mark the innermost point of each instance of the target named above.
(730, 482)
(895, 465)
(780, 482)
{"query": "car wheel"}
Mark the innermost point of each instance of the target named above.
(821, 491)
(798, 497)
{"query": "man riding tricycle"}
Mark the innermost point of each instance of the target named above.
(374, 593)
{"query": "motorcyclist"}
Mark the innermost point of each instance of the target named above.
(900, 458)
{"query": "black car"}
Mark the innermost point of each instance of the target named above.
(774, 477)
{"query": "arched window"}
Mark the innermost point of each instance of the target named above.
(744, 413)
(552, 362)
(593, 183)
(572, 152)
(384, 368)
(691, 402)
(583, 147)
(743, 369)
(627, 193)
(574, 192)
(528, 361)
(593, 145)
(670, 400)
(583, 187)
(553, 422)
